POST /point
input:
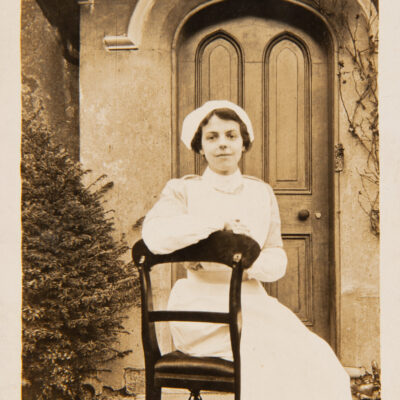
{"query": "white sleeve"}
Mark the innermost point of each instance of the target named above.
(168, 227)
(271, 263)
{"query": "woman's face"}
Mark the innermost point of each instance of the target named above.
(222, 145)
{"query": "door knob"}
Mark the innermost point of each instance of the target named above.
(303, 215)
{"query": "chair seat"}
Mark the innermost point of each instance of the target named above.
(177, 362)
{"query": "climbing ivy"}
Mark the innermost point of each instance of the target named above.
(358, 75)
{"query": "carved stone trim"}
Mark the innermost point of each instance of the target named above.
(139, 18)
(113, 43)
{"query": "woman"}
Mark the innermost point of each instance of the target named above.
(280, 358)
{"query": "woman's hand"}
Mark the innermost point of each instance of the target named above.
(236, 227)
(239, 228)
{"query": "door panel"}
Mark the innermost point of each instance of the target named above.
(288, 148)
(219, 64)
(295, 288)
(279, 73)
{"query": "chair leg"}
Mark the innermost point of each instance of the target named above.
(195, 395)
(153, 393)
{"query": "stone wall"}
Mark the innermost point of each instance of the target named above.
(358, 265)
(122, 136)
(49, 81)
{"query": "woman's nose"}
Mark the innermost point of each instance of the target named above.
(222, 143)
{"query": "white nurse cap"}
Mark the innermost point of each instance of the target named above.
(193, 119)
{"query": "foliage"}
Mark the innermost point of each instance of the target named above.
(358, 49)
(75, 284)
(368, 386)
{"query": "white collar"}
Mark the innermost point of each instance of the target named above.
(224, 183)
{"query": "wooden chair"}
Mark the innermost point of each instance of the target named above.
(179, 370)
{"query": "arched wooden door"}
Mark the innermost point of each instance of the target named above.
(274, 67)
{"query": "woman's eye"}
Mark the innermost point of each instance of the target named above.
(232, 135)
(211, 137)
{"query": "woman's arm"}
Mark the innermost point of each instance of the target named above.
(168, 227)
(271, 263)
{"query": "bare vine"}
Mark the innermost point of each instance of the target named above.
(357, 71)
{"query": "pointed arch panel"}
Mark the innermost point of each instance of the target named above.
(288, 122)
(219, 69)
(219, 73)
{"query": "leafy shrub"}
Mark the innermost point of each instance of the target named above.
(75, 285)
(368, 385)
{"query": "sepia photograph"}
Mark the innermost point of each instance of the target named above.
(200, 209)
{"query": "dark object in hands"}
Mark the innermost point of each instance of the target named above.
(219, 247)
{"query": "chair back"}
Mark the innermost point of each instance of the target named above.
(234, 250)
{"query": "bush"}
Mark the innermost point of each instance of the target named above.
(368, 385)
(75, 285)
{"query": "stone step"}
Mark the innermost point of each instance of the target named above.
(177, 394)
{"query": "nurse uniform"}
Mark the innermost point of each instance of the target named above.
(280, 358)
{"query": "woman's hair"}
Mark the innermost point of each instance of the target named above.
(228, 115)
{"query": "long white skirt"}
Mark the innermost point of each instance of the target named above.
(280, 358)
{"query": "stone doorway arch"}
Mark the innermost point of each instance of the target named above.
(158, 27)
